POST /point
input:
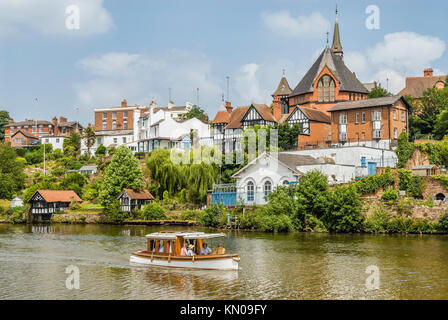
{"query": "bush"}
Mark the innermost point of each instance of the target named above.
(210, 217)
(444, 221)
(415, 188)
(273, 223)
(101, 151)
(16, 214)
(404, 178)
(153, 211)
(114, 212)
(390, 195)
(190, 215)
(373, 183)
(377, 222)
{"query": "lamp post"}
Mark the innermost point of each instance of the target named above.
(37, 134)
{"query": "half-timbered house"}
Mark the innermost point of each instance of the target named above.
(46, 202)
(134, 199)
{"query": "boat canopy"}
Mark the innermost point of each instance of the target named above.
(185, 235)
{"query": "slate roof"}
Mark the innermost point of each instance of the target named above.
(283, 88)
(368, 103)
(292, 161)
(416, 85)
(59, 195)
(238, 114)
(28, 123)
(347, 79)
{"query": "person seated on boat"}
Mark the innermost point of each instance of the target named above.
(183, 251)
(190, 251)
(161, 248)
(205, 249)
(220, 249)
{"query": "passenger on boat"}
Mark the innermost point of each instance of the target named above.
(183, 251)
(161, 249)
(205, 250)
(190, 251)
(220, 249)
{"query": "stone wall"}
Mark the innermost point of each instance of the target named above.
(432, 188)
(419, 158)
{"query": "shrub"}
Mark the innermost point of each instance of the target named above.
(444, 221)
(101, 151)
(377, 222)
(16, 214)
(404, 178)
(390, 195)
(153, 211)
(373, 183)
(114, 212)
(313, 224)
(210, 217)
(190, 215)
(273, 223)
(415, 188)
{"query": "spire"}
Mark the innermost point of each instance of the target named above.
(337, 47)
(283, 88)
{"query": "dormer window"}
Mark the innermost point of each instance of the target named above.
(326, 89)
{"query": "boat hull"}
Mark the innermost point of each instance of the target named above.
(225, 262)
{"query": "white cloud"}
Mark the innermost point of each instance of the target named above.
(399, 55)
(140, 78)
(283, 24)
(49, 17)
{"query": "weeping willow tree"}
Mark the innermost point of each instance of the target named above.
(172, 177)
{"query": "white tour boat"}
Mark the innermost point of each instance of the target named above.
(165, 249)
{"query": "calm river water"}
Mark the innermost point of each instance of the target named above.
(33, 260)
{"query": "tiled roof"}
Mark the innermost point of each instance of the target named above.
(315, 115)
(26, 134)
(283, 88)
(28, 123)
(140, 195)
(59, 195)
(236, 117)
(368, 103)
(292, 161)
(222, 117)
(416, 85)
(347, 79)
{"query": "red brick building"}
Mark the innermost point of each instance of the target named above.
(34, 130)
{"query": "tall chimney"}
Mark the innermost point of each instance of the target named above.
(124, 103)
(229, 107)
(428, 72)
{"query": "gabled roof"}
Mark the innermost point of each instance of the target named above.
(26, 134)
(283, 88)
(58, 195)
(368, 103)
(290, 161)
(138, 195)
(235, 118)
(28, 123)
(222, 117)
(315, 115)
(347, 79)
(416, 85)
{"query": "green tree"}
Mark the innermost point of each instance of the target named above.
(378, 92)
(153, 211)
(101, 151)
(4, 120)
(123, 171)
(12, 177)
(72, 145)
(89, 137)
(288, 136)
(343, 213)
(195, 112)
(74, 181)
(312, 196)
(404, 150)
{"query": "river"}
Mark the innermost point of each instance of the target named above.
(34, 258)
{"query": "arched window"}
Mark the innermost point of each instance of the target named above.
(250, 191)
(326, 89)
(285, 183)
(267, 188)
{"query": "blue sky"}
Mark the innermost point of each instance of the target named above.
(138, 49)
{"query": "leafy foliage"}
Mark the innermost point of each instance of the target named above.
(405, 150)
(12, 177)
(373, 183)
(89, 136)
(210, 217)
(378, 92)
(390, 195)
(4, 120)
(153, 211)
(123, 171)
(195, 112)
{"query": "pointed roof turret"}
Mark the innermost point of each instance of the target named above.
(336, 46)
(283, 88)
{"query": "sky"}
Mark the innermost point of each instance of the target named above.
(138, 49)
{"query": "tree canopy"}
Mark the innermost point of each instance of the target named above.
(195, 112)
(378, 92)
(4, 119)
(12, 177)
(123, 171)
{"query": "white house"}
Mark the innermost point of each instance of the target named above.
(57, 142)
(161, 128)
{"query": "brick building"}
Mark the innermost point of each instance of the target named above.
(416, 85)
(372, 122)
(25, 132)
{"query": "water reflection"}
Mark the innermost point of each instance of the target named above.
(273, 266)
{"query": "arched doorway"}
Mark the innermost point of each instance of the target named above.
(440, 196)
